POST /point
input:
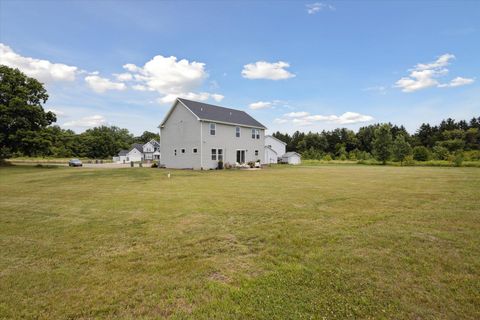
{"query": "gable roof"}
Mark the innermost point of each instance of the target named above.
(122, 153)
(210, 112)
(291, 153)
(269, 136)
(137, 146)
(154, 143)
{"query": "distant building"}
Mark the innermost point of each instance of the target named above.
(139, 152)
(291, 158)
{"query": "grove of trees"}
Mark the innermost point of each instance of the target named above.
(27, 130)
(385, 142)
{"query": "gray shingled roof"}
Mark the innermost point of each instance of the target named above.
(211, 112)
(137, 146)
(122, 153)
(291, 153)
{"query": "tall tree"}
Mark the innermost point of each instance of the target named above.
(382, 143)
(401, 148)
(22, 117)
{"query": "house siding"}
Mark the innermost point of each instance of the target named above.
(225, 138)
(276, 145)
(180, 131)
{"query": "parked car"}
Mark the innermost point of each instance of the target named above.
(75, 163)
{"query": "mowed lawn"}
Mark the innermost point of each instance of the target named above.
(331, 242)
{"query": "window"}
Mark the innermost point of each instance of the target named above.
(214, 154)
(257, 133)
(237, 132)
(175, 152)
(213, 128)
(195, 150)
(183, 150)
(253, 133)
(256, 152)
(220, 154)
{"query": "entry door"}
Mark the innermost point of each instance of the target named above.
(241, 156)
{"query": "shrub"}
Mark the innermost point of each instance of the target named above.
(327, 157)
(440, 153)
(154, 165)
(220, 165)
(458, 159)
(227, 165)
(409, 161)
(420, 153)
(251, 164)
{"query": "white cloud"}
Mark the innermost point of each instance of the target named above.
(201, 96)
(267, 70)
(42, 70)
(87, 122)
(379, 89)
(457, 82)
(280, 120)
(172, 78)
(299, 114)
(123, 76)
(316, 7)
(217, 97)
(260, 105)
(426, 75)
(100, 85)
(303, 118)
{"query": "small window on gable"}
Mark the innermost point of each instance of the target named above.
(183, 150)
(237, 132)
(213, 129)
(256, 152)
(214, 154)
(175, 152)
(195, 150)
(253, 133)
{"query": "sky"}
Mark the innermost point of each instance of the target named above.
(292, 65)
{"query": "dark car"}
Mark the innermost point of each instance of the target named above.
(75, 163)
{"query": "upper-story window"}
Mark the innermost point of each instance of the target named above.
(255, 134)
(213, 129)
(237, 132)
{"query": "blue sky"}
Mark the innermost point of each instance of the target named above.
(298, 65)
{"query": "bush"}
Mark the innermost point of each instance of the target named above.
(440, 153)
(458, 159)
(420, 153)
(327, 157)
(409, 161)
(220, 165)
(227, 165)
(154, 165)
(251, 164)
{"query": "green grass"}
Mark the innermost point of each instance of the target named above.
(331, 242)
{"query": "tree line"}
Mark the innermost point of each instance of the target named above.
(386, 142)
(26, 129)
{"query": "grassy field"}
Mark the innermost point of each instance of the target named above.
(331, 242)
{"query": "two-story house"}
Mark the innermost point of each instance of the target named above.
(151, 150)
(198, 135)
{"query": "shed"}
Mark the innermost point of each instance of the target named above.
(291, 158)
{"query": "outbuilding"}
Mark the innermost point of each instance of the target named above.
(291, 158)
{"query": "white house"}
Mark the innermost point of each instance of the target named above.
(198, 135)
(151, 150)
(291, 158)
(274, 149)
(135, 154)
